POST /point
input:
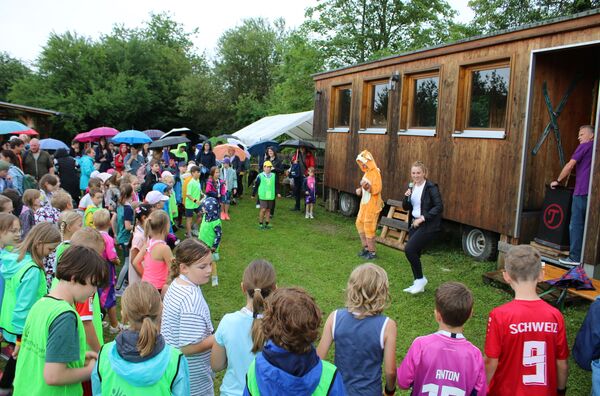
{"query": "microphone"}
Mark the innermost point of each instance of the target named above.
(410, 186)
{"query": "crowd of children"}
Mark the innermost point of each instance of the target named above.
(59, 278)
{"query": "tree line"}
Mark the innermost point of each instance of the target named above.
(153, 77)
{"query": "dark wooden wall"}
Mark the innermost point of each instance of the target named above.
(479, 178)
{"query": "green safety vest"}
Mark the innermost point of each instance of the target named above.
(266, 188)
(10, 292)
(207, 232)
(29, 377)
(327, 378)
(96, 313)
(113, 384)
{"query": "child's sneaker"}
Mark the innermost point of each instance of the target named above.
(363, 252)
(227, 216)
(116, 330)
(261, 227)
(370, 256)
(223, 216)
(215, 281)
(311, 216)
(307, 216)
(257, 206)
(268, 226)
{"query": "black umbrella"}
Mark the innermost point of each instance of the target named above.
(168, 141)
(194, 136)
(296, 143)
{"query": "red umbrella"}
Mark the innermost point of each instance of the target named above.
(29, 132)
(102, 132)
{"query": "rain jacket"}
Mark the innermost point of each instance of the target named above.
(208, 160)
(181, 156)
(86, 163)
(17, 176)
(586, 350)
(371, 202)
(210, 229)
(280, 372)
(24, 292)
(127, 363)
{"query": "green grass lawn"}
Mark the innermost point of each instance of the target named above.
(319, 255)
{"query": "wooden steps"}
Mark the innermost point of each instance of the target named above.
(395, 226)
(550, 253)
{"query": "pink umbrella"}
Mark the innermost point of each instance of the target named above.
(83, 137)
(102, 132)
(29, 132)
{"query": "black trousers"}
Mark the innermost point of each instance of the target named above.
(297, 192)
(419, 238)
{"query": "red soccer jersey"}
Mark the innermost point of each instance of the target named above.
(85, 309)
(527, 338)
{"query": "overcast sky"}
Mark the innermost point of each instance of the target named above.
(26, 24)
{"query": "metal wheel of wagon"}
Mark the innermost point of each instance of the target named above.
(479, 244)
(348, 204)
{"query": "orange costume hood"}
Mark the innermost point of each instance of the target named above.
(371, 202)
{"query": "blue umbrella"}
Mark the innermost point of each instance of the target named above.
(7, 127)
(131, 137)
(52, 144)
(258, 149)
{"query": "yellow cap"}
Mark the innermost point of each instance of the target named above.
(268, 163)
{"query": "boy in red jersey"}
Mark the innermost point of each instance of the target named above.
(526, 345)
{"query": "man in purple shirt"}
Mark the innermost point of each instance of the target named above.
(581, 160)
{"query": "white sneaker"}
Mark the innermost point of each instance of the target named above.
(311, 216)
(408, 289)
(257, 206)
(307, 216)
(215, 281)
(419, 286)
(116, 330)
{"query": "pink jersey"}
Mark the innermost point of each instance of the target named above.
(155, 271)
(438, 364)
(527, 337)
(109, 253)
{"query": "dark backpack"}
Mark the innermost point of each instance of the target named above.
(29, 183)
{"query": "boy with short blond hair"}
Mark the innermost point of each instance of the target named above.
(526, 344)
(445, 360)
(96, 196)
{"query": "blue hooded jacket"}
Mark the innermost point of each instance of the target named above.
(280, 372)
(126, 362)
(586, 350)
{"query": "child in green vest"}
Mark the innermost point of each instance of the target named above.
(53, 358)
(192, 198)
(24, 284)
(139, 361)
(288, 363)
(211, 233)
(266, 186)
(96, 196)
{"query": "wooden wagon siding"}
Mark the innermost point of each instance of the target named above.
(480, 178)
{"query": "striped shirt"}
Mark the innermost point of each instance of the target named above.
(185, 321)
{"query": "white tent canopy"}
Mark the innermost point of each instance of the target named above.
(295, 125)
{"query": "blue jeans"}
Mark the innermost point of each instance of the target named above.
(578, 208)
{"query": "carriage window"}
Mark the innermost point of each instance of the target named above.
(424, 101)
(342, 106)
(377, 104)
(488, 98)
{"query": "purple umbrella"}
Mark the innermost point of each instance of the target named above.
(154, 134)
(102, 132)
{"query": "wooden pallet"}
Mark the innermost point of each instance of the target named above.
(549, 252)
(395, 226)
(549, 292)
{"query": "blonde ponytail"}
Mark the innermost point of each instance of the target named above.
(142, 307)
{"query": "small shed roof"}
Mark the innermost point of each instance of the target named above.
(295, 125)
(29, 109)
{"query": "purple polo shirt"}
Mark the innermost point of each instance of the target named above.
(583, 156)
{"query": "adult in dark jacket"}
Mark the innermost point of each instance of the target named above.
(67, 171)
(37, 162)
(104, 156)
(424, 204)
(205, 160)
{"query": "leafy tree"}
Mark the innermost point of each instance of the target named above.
(11, 70)
(493, 15)
(246, 58)
(354, 31)
(294, 87)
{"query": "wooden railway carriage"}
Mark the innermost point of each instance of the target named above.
(472, 111)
